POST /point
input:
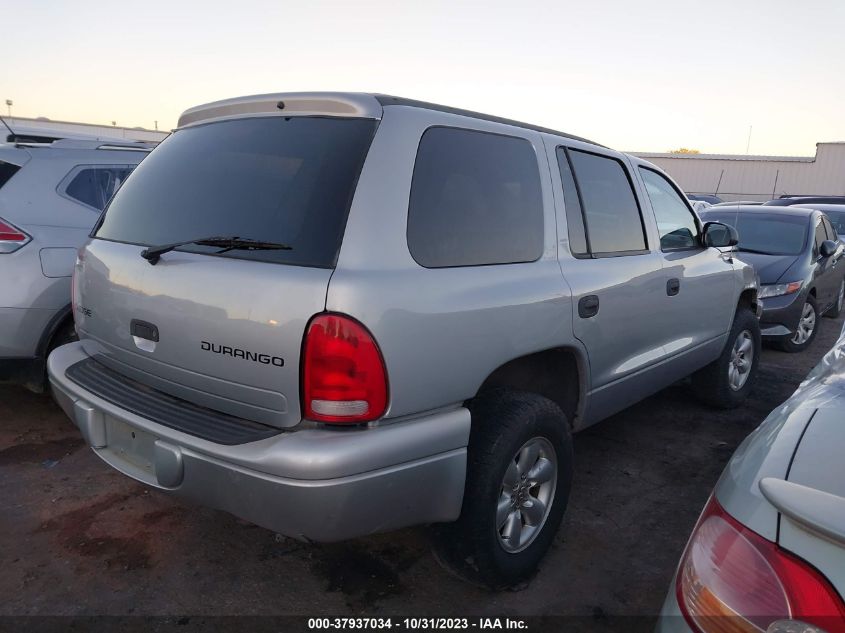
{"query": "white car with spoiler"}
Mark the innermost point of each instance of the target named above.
(768, 552)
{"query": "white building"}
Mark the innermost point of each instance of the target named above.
(41, 126)
(743, 177)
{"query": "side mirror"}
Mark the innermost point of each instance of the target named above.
(827, 248)
(720, 235)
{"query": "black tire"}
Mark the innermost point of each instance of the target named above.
(787, 343)
(712, 383)
(503, 421)
(836, 309)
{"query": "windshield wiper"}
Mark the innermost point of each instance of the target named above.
(154, 253)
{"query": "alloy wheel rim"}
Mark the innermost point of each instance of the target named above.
(841, 296)
(742, 359)
(806, 325)
(526, 494)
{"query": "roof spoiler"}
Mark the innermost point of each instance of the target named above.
(339, 104)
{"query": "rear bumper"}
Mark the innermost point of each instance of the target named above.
(318, 484)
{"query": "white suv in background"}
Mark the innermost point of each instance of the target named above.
(51, 194)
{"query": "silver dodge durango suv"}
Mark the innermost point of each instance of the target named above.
(338, 314)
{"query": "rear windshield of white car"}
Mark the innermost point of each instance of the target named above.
(286, 180)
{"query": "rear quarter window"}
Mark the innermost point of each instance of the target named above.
(475, 200)
(7, 170)
(93, 185)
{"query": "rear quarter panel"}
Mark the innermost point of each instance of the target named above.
(441, 331)
(818, 464)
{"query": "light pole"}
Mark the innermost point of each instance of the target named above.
(9, 104)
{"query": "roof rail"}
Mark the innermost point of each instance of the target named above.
(141, 147)
(93, 143)
(389, 100)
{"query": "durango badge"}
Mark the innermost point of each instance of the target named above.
(234, 352)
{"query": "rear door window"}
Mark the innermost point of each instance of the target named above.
(475, 200)
(612, 217)
(95, 186)
(572, 204)
(287, 180)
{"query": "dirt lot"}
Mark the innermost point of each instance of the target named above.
(76, 538)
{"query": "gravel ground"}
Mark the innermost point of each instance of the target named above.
(77, 538)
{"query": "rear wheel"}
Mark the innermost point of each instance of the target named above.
(836, 310)
(519, 472)
(805, 333)
(727, 381)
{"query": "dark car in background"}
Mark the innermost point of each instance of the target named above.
(834, 212)
(796, 253)
(791, 201)
(704, 198)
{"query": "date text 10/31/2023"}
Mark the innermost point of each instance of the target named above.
(363, 623)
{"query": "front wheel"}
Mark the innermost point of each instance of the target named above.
(726, 382)
(805, 333)
(519, 472)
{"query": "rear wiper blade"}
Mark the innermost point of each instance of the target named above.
(154, 253)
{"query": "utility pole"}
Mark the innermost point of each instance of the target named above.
(748, 144)
(156, 122)
(9, 104)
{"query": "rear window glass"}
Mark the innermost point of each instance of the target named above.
(475, 200)
(288, 180)
(763, 233)
(95, 186)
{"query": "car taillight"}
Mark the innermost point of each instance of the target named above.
(343, 374)
(732, 580)
(11, 238)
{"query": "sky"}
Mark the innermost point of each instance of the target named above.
(644, 75)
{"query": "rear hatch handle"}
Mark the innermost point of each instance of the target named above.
(816, 510)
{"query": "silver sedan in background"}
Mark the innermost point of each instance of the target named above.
(768, 552)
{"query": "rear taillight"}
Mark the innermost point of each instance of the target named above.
(11, 237)
(343, 374)
(732, 580)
